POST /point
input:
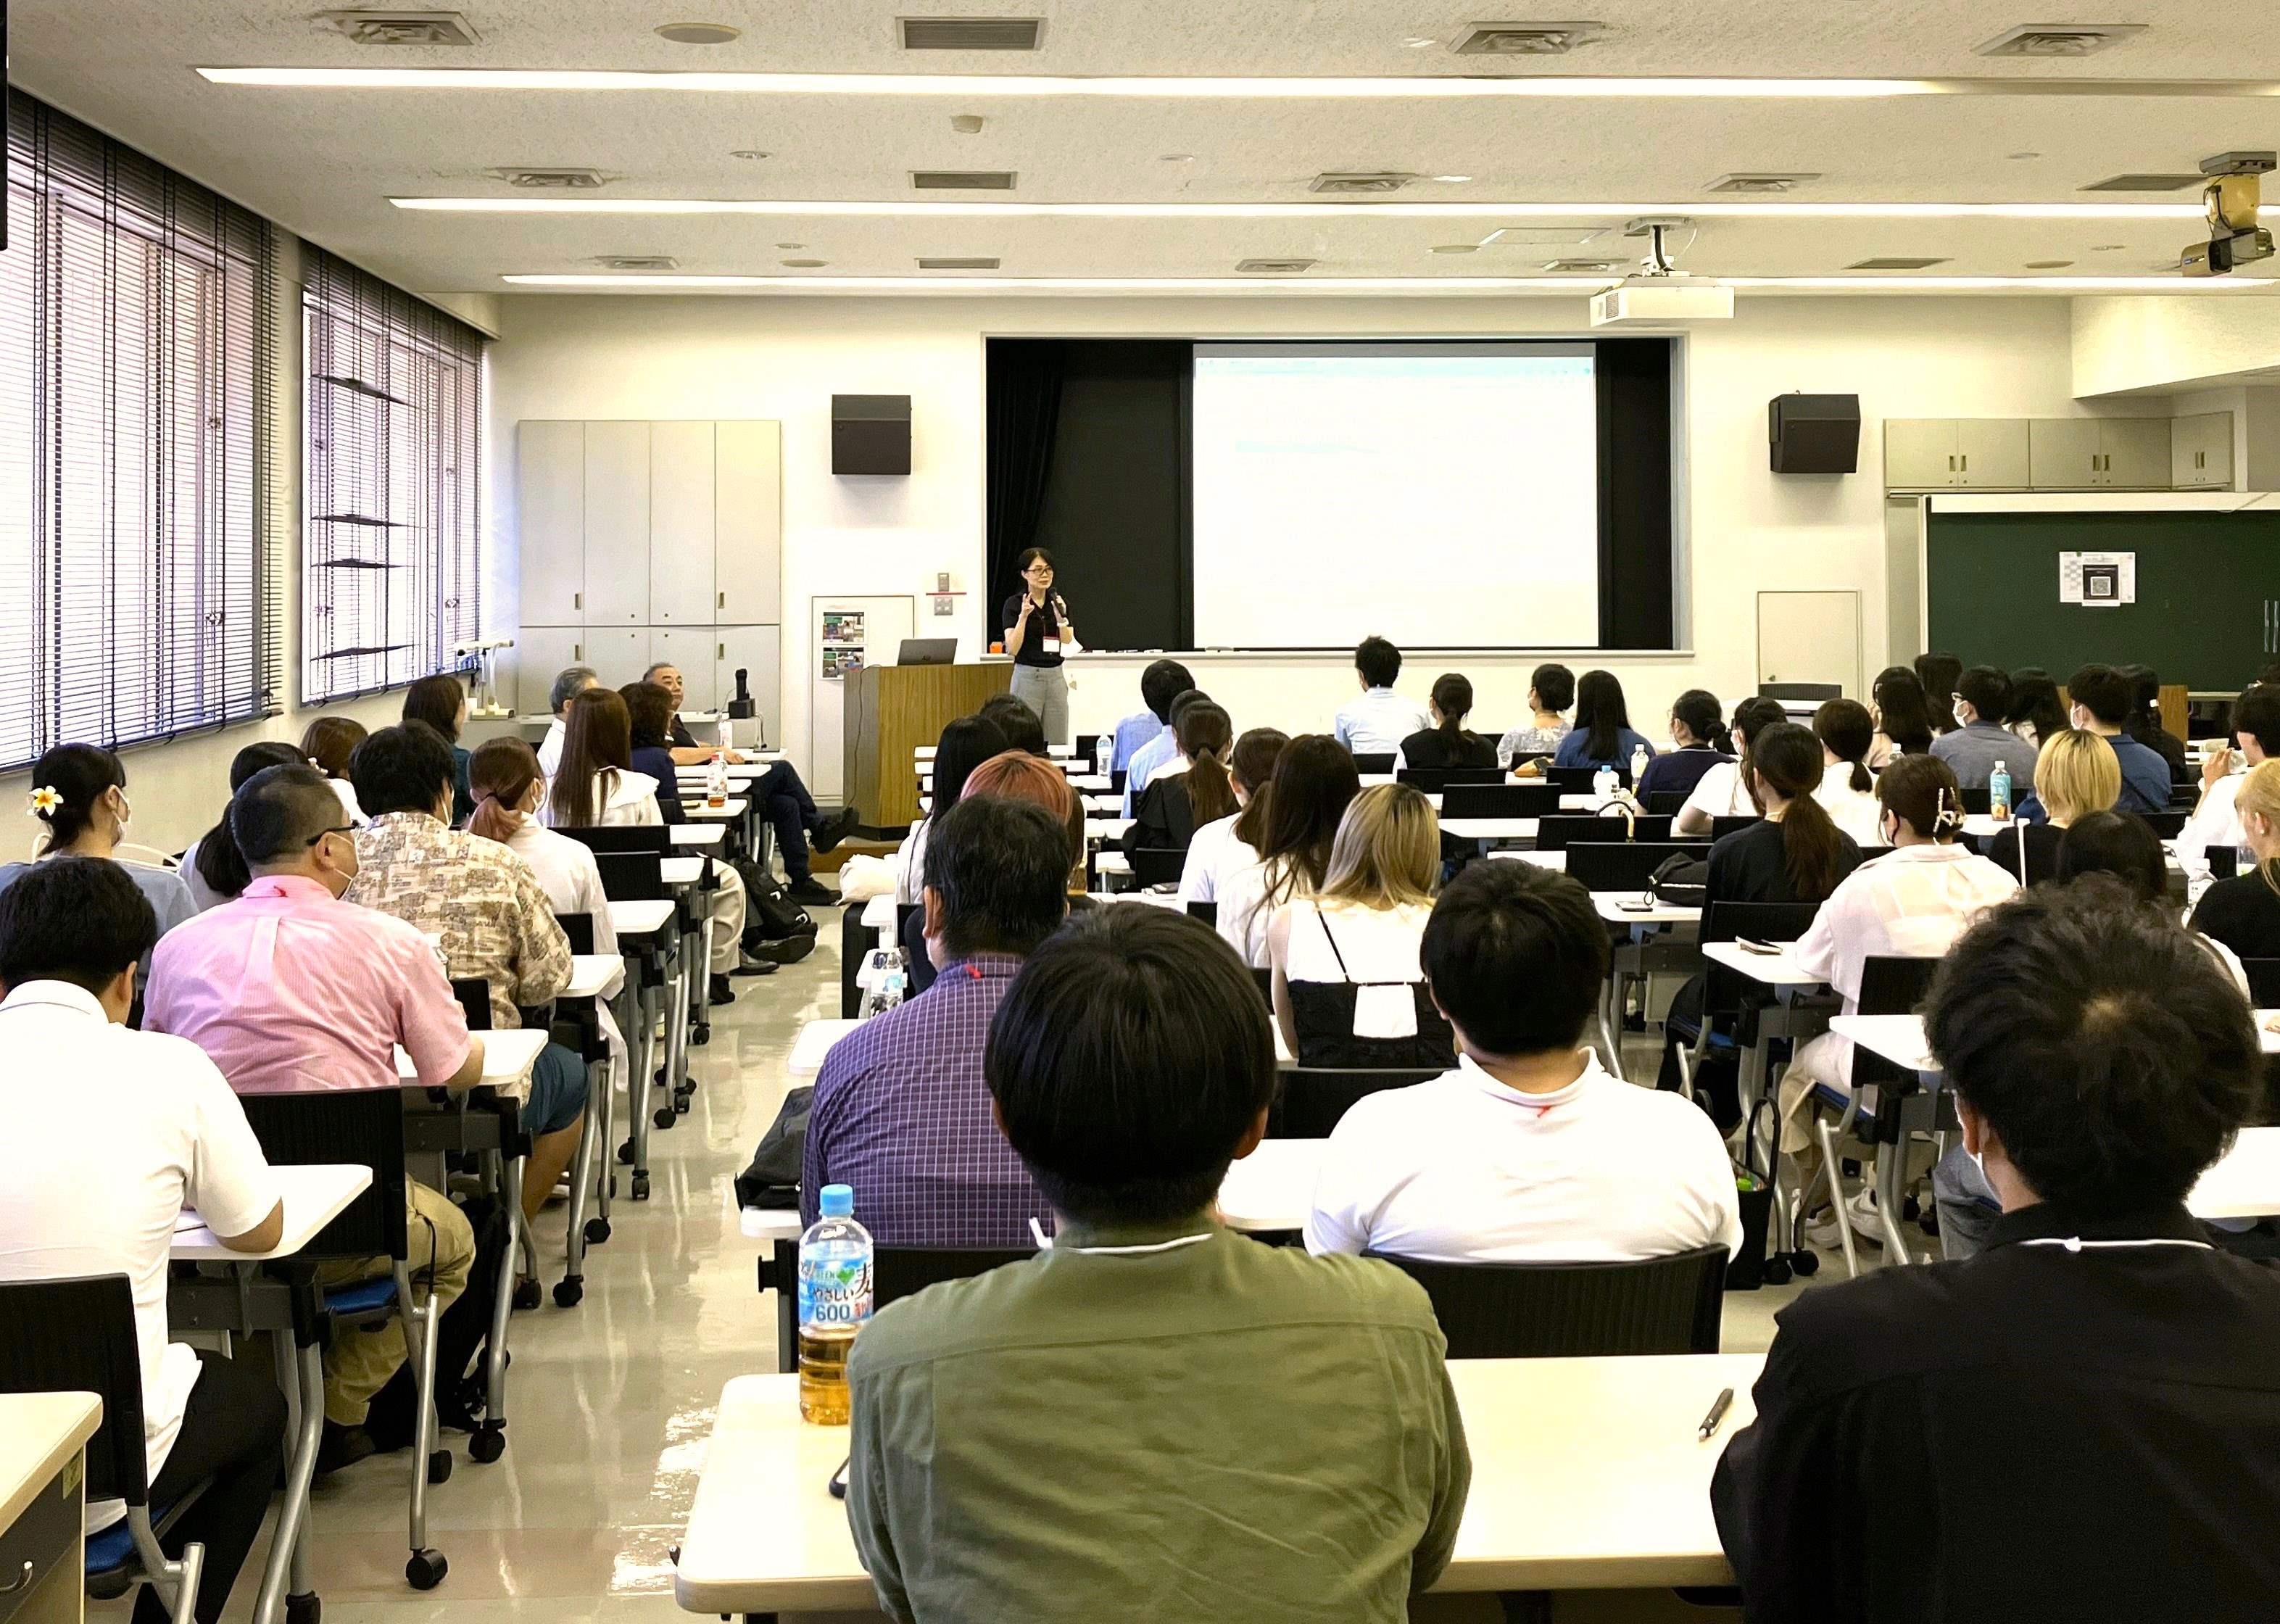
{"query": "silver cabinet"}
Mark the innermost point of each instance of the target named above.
(550, 522)
(1956, 454)
(617, 482)
(2133, 452)
(2200, 453)
(681, 531)
(1992, 453)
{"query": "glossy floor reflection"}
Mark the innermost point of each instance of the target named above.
(612, 1402)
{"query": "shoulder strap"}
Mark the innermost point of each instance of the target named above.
(1323, 919)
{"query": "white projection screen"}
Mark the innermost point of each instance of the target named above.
(1442, 495)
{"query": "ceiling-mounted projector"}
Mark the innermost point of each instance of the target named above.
(1662, 299)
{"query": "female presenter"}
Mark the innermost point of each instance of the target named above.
(1037, 630)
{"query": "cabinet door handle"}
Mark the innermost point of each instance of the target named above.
(577, 600)
(1967, 462)
(577, 650)
(720, 651)
(721, 600)
(1950, 462)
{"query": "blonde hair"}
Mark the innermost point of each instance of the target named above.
(2259, 792)
(1387, 849)
(2075, 774)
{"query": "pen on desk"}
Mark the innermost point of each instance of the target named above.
(1717, 1413)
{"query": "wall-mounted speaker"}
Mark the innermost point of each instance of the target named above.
(870, 434)
(1814, 433)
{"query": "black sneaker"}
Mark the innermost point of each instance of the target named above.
(832, 830)
(808, 894)
(790, 950)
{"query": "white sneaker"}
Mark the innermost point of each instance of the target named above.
(1821, 1232)
(1861, 1212)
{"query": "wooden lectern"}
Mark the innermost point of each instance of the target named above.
(893, 710)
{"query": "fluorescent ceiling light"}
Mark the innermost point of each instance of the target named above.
(1996, 284)
(557, 204)
(1572, 285)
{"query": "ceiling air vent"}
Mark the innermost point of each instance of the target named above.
(970, 33)
(962, 179)
(1274, 267)
(552, 179)
(2147, 183)
(2060, 39)
(1579, 268)
(957, 262)
(637, 262)
(1762, 182)
(1526, 39)
(1361, 181)
(1896, 262)
(401, 27)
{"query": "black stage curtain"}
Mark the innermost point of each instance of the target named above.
(1024, 392)
(1635, 493)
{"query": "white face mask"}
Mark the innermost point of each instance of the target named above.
(1961, 720)
(125, 814)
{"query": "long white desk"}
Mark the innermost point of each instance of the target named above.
(640, 918)
(591, 975)
(1773, 969)
(313, 1195)
(1490, 828)
(1609, 906)
(1272, 1189)
(728, 812)
(508, 1057)
(679, 871)
(696, 834)
(1628, 1507)
(1900, 1038)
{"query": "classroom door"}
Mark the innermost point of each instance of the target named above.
(1810, 637)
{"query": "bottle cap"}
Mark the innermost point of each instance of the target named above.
(837, 1201)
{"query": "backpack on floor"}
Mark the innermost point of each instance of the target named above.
(770, 915)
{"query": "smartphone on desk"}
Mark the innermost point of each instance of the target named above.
(1771, 950)
(1636, 904)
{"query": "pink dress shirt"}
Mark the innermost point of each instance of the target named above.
(288, 989)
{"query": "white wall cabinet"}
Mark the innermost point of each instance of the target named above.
(1955, 454)
(2085, 453)
(748, 496)
(680, 524)
(2200, 453)
(617, 524)
(550, 505)
(2133, 453)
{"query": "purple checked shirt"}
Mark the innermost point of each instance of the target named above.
(902, 1115)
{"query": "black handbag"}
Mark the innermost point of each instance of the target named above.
(1681, 881)
(770, 1178)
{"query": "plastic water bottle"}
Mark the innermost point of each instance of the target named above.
(1104, 751)
(1998, 791)
(834, 1300)
(716, 782)
(1603, 783)
(1638, 764)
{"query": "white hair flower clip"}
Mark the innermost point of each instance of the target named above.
(44, 800)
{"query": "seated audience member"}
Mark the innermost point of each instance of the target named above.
(1192, 790)
(648, 736)
(1130, 1063)
(1698, 729)
(1847, 792)
(1022, 728)
(495, 921)
(1602, 734)
(509, 791)
(1723, 791)
(1013, 775)
(211, 867)
(901, 1113)
(596, 787)
(649, 720)
(2101, 699)
(569, 683)
(1447, 744)
(2244, 912)
(780, 791)
(328, 743)
(1374, 721)
(1529, 1152)
(1797, 852)
(108, 1133)
(442, 702)
(1903, 720)
(1232, 843)
(2075, 775)
(78, 793)
(1150, 757)
(289, 988)
(964, 745)
(2098, 1360)
(2144, 723)
(1314, 781)
(1980, 743)
(2216, 821)
(1551, 690)
(1349, 987)
(1938, 675)
(1163, 682)
(2034, 711)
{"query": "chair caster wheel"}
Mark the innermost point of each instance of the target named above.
(626, 1154)
(487, 1445)
(664, 1117)
(1777, 1271)
(640, 1187)
(439, 1466)
(426, 1569)
(569, 1292)
(597, 1230)
(701, 1033)
(1807, 1263)
(304, 1609)
(526, 1294)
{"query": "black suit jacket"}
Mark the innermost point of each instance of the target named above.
(2041, 1435)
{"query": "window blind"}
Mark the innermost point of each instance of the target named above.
(138, 348)
(392, 563)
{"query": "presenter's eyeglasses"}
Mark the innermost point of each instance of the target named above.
(1039, 572)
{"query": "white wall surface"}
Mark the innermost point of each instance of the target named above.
(2128, 342)
(1746, 528)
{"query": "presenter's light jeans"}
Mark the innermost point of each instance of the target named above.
(1044, 689)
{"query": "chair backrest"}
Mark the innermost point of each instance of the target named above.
(1720, 828)
(1582, 779)
(1976, 802)
(1723, 989)
(1618, 865)
(2167, 825)
(632, 876)
(1430, 779)
(1208, 911)
(2223, 861)
(75, 1334)
(474, 995)
(1499, 801)
(1373, 762)
(1264, 980)
(1817, 692)
(1892, 984)
(900, 1271)
(1309, 1100)
(2263, 982)
(1158, 865)
(1506, 1311)
(1666, 803)
(363, 1126)
(1584, 828)
(580, 929)
(616, 837)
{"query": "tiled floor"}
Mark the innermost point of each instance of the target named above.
(610, 1403)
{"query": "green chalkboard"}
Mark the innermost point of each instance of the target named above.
(2207, 613)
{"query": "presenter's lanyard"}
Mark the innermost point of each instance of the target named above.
(1050, 624)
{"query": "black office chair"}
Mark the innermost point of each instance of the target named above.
(1499, 801)
(1730, 999)
(1720, 828)
(1586, 828)
(1158, 866)
(2223, 861)
(1626, 865)
(1977, 801)
(579, 927)
(1666, 803)
(896, 1272)
(1526, 1310)
(1373, 762)
(639, 876)
(76, 1334)
(624, 837)
(1816, 693)
(1208, 911)
(1309, 1100)
(1431, 780)
(2167, 825)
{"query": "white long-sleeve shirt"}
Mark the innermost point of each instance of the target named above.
(2214, 822)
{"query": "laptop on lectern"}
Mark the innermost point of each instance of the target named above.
(927, 651)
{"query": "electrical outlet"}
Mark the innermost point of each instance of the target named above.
(943, 606)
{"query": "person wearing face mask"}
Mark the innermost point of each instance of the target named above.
(287, 988)
(1980, 740)
(79, 792)
(2100, 698)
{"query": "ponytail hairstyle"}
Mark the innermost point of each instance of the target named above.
(1452, 696)
(501, 772)
(221, 864)
(597, 738)
(1203, 735)
(1256, 752)
(1697, 708)
(1752, 718)
(1921, 791)
(1901, 710)
(330, 741)
(1847, 731)
(1601, 715)
(77, 776)
(1788, 757)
